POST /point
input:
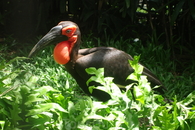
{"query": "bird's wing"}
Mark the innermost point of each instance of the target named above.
(114, 62)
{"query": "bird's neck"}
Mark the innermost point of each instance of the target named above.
(74, 52)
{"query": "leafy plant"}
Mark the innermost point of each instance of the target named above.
(23, 106)
(142, 109)
(39, 94)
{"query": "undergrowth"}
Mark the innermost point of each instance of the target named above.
(39, 94)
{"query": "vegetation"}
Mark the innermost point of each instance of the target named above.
(166, 20)
(39, 94)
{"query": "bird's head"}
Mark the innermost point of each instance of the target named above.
(66, 34)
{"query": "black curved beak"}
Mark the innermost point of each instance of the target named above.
(52, 37)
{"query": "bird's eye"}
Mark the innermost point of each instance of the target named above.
(68, 31)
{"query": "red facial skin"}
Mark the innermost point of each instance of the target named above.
(63, 49)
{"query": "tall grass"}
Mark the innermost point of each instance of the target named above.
(39, 94)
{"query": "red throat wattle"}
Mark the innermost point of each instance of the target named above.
(63, 49)
(62, 52)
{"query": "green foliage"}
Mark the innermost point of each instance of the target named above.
(141, 109)
(129, 18)
(39, 94)
(24, 107)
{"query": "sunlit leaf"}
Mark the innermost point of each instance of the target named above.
(139, 94)
(39, 108)
(45, 89)
(189, 99)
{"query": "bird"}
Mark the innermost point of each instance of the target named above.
(115, 62)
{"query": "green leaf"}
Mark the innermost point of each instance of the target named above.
(33, 98)
(167, 120)
(156, 128)
(91, 89)
(132, 120)
(144, 84)
(2, 123)
(95, 117)
(99, 105)
(91, 70)
(92, 78)
(14, 113)
(110, 117)
(43, 90)
(67, 86)
(33, 80)
(133, 76)
(98, 75)
(189, 99)
(44, 107)
(138, 68)
(138, 94)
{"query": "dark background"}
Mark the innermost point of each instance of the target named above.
(170, 23)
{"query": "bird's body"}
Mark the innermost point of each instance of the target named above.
(114, 61)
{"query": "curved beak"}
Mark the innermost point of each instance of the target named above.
(52, 37)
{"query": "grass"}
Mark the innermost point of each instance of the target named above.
(39, 94)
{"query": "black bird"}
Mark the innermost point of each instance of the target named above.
(114, 61)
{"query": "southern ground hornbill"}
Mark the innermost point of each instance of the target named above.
(114, 61)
